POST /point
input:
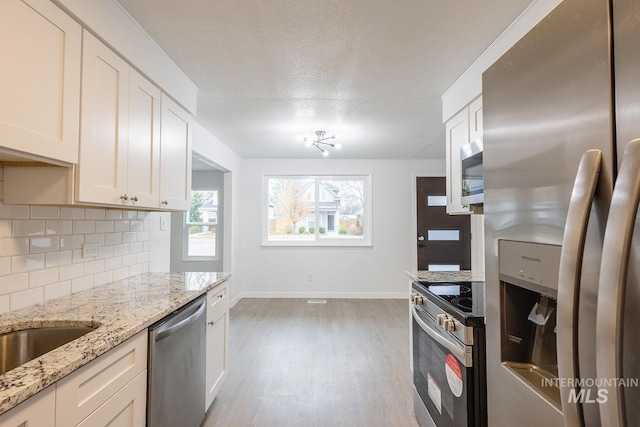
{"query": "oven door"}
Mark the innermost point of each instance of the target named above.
(442, 373)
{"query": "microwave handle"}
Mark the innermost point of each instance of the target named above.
(612, 286)
(573, 242)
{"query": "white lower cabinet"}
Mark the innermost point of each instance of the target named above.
(111, 390)
(38, 411)
(217, 341)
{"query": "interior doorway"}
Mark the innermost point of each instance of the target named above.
(444, 241)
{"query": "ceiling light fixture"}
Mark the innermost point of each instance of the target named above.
(320, 140)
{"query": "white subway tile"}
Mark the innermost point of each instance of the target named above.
(103, 278)
(71, 271)
(27, 228)
(72, 241)
(112, 263)
(147, 225)
(77, 256)
(121, 226)
(44, 244)
(5, 228)
(129, 236)
(113, 214)
(81, 284)
(93, 267)
(5, 266)
(61, 289)
(136, 247)
(143, 236)
(84, 227)
(105, 252)
(43, 277)
(128, 260)
(59, 226)
(94, 238)
(142, 257)
(71, 213)
(130, 215)
(143, 215)
(119, 250)
(15, 246)
(104, 226)
(25, 263)
(95, 213)
(57, 259)
(121, 273)
(136, 269)
(14, 211)
(4, 304)
(26, 298)
(14, 283)
(113, 238)
(45, 212)
(147, 246)
(136, 226)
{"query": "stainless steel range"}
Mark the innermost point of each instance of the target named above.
(448, 342)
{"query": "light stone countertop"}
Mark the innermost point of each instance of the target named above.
(447, 276)
(122, 309)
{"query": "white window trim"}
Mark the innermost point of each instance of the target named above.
(185, 233)
(365, 242)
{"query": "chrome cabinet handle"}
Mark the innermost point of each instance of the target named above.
(575, 232)
(613, 282)
(124, 197)
(134, 198)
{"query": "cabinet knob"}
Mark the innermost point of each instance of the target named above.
(165, 202)
(134, 198)
(212, 323)
(124, 197)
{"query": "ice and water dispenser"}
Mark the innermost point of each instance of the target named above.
(528, 294)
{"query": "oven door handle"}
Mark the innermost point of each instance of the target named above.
(458, 352)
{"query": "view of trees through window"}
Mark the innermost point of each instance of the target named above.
(201, 222)
(309, 209)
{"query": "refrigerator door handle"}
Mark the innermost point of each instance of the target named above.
(573, 242)
(613, 281)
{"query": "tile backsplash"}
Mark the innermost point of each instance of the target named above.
(41, 250)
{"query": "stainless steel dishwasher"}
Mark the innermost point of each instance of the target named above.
(176, 370)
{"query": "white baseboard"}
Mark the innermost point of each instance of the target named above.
(324, 295)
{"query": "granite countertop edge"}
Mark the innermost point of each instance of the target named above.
(122, 309)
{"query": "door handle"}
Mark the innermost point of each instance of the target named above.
(575, 232)
(613, 282)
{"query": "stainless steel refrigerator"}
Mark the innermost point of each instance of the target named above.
(563, 262)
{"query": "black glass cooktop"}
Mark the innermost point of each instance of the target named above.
(467, 298)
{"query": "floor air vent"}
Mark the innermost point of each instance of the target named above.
(317, 301)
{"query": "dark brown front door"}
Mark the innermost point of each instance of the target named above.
(444, 241)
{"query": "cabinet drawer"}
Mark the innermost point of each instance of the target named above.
(216, 298)
(85, 390)
(127, 408)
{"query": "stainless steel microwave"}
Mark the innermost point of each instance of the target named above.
(472, 175)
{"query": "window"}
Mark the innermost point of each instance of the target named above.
(201, 222)
(316, 211)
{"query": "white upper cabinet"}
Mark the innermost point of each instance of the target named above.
(40, 84)
(175, 156)
(461, 129)
(102, 169)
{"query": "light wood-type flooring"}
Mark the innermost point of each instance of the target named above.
(343, 363)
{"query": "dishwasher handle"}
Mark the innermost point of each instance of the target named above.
(173, 326)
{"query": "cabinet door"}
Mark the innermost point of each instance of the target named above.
(40, 84)
(126, 408)
(457, 135)
(144, 142)
(216, 369)
(37, 411)
(175, 156)
(102, 169)
(475, 119)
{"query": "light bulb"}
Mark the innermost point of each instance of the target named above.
(337, 145)
(325, 153)
(307, 142)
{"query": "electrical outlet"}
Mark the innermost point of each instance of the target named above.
(90, 250)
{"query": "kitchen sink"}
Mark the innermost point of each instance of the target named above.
(20, 346)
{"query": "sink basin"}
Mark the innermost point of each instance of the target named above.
(19, 347)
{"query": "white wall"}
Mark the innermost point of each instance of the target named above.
(377, 272)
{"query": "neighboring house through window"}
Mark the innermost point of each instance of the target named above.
(201, 225)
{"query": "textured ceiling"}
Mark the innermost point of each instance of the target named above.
(371, 72)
